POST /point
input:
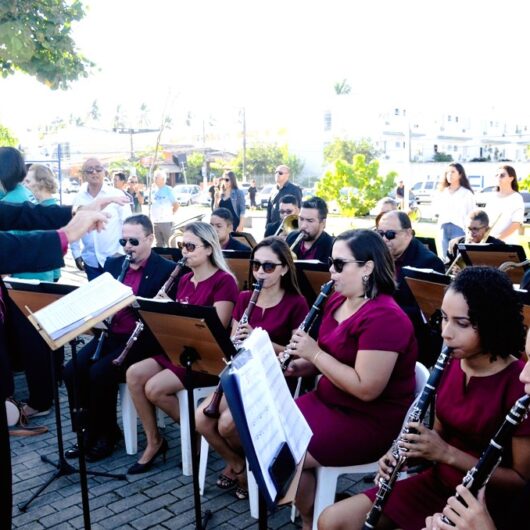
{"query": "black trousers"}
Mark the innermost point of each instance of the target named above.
(6, 389)
(97, 384)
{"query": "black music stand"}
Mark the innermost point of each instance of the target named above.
(193, 337)
(238, 261)
(29, 298)
(245, 237)
(494, 255)
(311, 274)
(171, 253)
(429, 242)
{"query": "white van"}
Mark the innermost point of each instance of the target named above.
(424, 191)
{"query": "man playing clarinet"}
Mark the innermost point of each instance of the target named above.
(98, 379)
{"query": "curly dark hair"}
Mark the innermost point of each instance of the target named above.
(494, 310)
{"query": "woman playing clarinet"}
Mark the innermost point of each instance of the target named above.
(279, 310)
(483, 323)
(155, 381)
(366, 353)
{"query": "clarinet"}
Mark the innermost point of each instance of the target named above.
(285, 357)
(416, 414)
(101, 340)
(479, 475)
(212, 410)
(139, 324)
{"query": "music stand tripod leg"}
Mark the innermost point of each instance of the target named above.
(187, 358)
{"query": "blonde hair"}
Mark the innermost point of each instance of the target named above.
(206, 233)
(44, 178)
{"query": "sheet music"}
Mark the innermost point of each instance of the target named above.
(81, 305)
(271, 413)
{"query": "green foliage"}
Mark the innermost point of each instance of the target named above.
(6, 138)
(125, 166)
(342, 88)
(35, 38)
(524, 184)
(194, 165)
(262, 159)
(341, 149)
(442, 157)
(356, 187)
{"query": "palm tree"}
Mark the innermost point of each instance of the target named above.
(342, 88)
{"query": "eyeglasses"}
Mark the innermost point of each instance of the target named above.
(338, 263)
(502, 175)
(278, 172)
(90, 170)
(190, 247)
(475, 228)
(133, 182)
(227, 179)
(132, 240)
(268, 266)
(389, 234)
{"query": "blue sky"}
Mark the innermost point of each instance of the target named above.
(269, 56)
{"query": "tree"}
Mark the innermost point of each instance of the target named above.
(6, 138)
(194, 163)
(342, 88)
(341, 149)
(262, 159)
(94, 113)
(35, 38)
(356, 187)
(442, 157)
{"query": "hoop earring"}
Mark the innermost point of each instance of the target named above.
(365, 280)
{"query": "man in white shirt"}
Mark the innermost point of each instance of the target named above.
(91, 251)
(163, 207)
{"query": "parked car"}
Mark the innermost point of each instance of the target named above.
(186, 193)
(70, 185)
(424, 191)
(262, 197)
(482, 198)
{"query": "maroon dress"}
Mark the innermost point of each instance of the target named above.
(279, 321)
(469, 415)
(219, 287)
(347, 430)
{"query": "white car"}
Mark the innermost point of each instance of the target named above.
(262, 197)
(481, 200)
(186, 193)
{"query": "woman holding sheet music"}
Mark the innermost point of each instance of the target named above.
(279, 309)
(155, 381)
(483, 323)
(366, 353)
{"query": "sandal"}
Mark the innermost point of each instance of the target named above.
(241, 493)
(226, 483)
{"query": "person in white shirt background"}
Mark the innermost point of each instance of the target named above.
(506, 208)
(453, 204)
(163, 208)
(91, 251)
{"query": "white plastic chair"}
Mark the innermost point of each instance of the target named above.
(130, 417)
(327, 477)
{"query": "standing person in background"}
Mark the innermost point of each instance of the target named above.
(213, 190)
(133, 189)
(453, 204)
(97, 247)
(163, 208)
(252, 190)
(233, 199)
(400, 195)
(284, 187)
(12, 174)
(289, 205)
(506, 209)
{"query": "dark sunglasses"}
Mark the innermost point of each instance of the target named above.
(267, 266)
(190, 247)
(132, 240)
(338, 263)
(91, 170)
(227, 179)
(388, 234)
(279, 172)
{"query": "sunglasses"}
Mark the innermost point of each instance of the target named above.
(502, 175)
(190, 247)
(91, 170)
(338, 263)
(279, 172)
(475, 228)
(226, 179)
(132, 240)
(268, 266)
(389, 234)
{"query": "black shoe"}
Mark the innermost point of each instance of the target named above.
(100, 450)
(73, 452)
(138, 468)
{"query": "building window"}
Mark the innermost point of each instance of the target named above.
(396, 112)
(327, 121)
(398, 145)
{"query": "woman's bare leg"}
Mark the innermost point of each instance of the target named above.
(305, 496)
(348, 514)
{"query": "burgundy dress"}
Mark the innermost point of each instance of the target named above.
(347, 430)
(279, 321)
(469, 415)
(219, 287)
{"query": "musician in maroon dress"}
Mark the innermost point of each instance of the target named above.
(155, 381)
(366, 353)
(279, 310)
(483, 322)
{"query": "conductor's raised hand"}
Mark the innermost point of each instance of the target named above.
(85, 221)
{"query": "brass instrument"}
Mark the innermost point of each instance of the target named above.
(139, 324)
(212, 410)
(288, 224)
(508, 265)
(101, 339)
